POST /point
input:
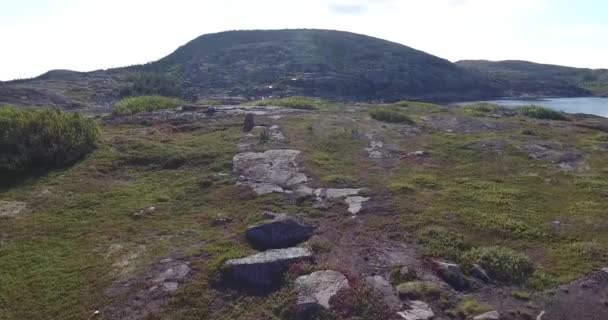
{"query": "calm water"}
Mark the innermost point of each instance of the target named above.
(596, 106)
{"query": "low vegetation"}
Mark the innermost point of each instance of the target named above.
(500, 263)
(151, 83)
(43, 138)
(415, 290)
(481, 109)
(391, 115)
(538, 112)
(441, 242)
(303, 103)
(134, 105)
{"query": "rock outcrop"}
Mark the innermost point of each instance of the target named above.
(281, 232)
(264, 270)
(418, 310)
(452, 275)
(316, 289)
(269, 171)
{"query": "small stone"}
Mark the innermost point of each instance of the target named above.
(478, 272)
(149, 210)
(492, 315)
(355, 204)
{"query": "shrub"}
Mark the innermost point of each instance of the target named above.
(482, 109)
(402, 187)
(390, 115)
(43, 137)
(502, 264)
(303, 103)
(151, 83)
(541, 113)
(134, 105)
(469, 307)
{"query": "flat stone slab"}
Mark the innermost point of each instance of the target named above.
(316, 289)
(281, 232)
(355, 204)
(11, 208)
(264, 270)
(269, 171)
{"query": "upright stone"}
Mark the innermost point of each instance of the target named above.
(249, 122)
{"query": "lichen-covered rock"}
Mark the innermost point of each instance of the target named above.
(281, 232)
(264, 270)
(269, 171)
(418, 310)
(383, 290)
(316, 289)
(11, 208)
(492, 315)
(355, 204)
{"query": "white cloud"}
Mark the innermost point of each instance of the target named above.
(93, 34)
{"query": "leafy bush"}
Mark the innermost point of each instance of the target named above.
(303, 103)
(390, 115)
(541, 113)
(43, 137)
(134, 105)
(151, 83)
(502, 264)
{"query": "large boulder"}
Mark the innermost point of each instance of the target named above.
(384, 291)
(452, 275)
(281, 232)
(264, 270)
(269, 171)
(316, 289)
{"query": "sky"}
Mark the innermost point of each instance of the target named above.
(84, 35)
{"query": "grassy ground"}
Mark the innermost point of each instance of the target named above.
(57, 260)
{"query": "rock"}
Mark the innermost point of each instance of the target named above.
(452, 275)
(478, 272)
(11, 208)
(220, 220)
(264, 270)
(540, 315)
(375, 154)
(149, 210)
(269, 171)
(418, 311)
(248, 123)
(337, 193)
(492, 315)
(355, 204)
(281, 232)
(316, 289)
(419, 153)
(144, 212)
(383, 290)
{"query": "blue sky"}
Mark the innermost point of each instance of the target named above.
(83, 35)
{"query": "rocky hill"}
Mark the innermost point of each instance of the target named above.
(523, 78)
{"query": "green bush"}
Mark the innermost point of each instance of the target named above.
(43, 137)
(303, 103)
(502, 264)
(481, 109)
(541, 113)
(134, 105)
(390, 115)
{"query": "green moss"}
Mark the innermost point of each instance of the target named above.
(521, 295)
(415, 290)
(470, 307)
(134, 105)
(500, 263)
(402, 187)
(440, 242)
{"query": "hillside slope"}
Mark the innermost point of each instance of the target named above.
(519, 78)
(255, 64)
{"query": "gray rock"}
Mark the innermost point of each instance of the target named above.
(269, 171)
(248, 123)
(355, 204)
(264, 270)
(11, 208)
(452, 275)
(418, 311)
(316, 289)
(478, 272)
(337, 193)
(281, 232)
(383, 290)
(492, 315)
